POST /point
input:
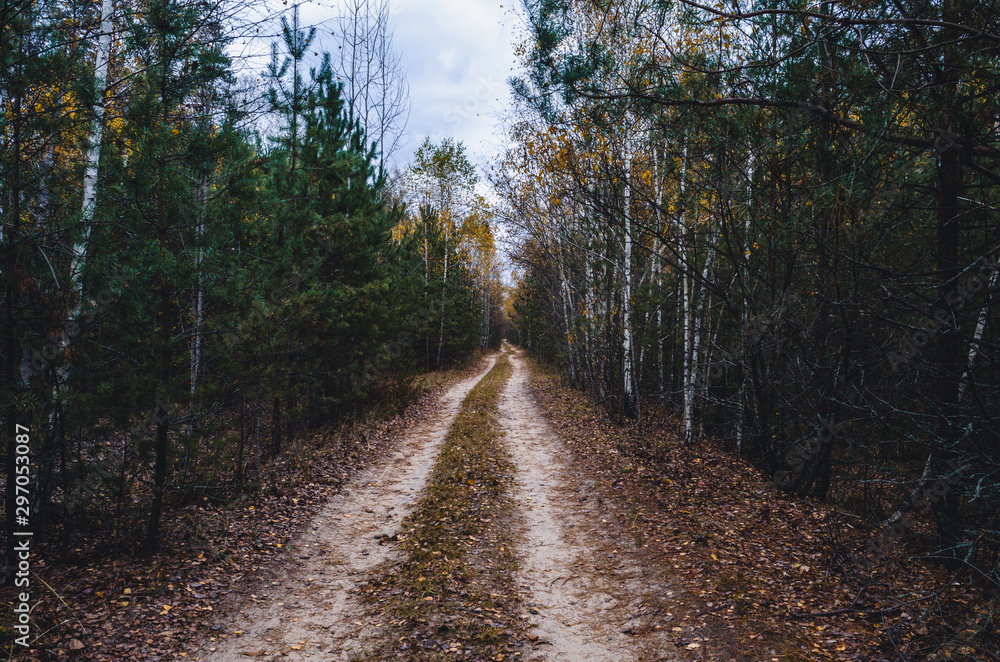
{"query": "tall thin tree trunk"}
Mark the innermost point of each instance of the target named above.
(686, 379)
(702, 309)
(427, 276)
(444, 290)
(275, 425)
(256, 439)
(745, 313)
(152, 541)
(163, 351)
(977, 337)
(197, 304)
(79, 255)
(590, 302)
(567, 305)
(687, 296)
(657, 268)
(949, 356)
(631, 403)
(244, 428)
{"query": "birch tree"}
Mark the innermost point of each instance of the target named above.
(371, 69)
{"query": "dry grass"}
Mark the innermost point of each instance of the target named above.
(454, 596)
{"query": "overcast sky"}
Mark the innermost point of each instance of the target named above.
(458, 55)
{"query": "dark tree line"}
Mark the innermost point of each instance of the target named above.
(181, 291)
(779, 219)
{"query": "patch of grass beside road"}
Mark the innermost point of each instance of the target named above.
(454, 595)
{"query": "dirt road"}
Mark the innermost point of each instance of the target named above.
(591, 601)
(310, 613)
(585, 595)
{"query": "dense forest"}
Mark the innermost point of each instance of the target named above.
(777, 220)
(199, 261)
(760, 238)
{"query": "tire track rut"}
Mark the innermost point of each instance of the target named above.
(310, 612)
(583, 592)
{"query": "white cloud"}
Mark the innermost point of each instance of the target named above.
(458, 55)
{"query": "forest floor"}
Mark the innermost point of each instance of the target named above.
(586, 591)
(507, 519)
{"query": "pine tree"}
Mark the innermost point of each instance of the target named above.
(162, 153)
(38, 82)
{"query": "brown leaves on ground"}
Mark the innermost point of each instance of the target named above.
(453, 596)
(93, 606)
(755, 574)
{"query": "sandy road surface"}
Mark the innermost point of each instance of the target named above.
(585, 592)
(310, 612)
(589, 599)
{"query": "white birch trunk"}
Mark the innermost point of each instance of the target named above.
(628, 375)
(607, 309)
(687, 381)
(657, 267)
(78, 256)
(628, 372)
(977, 337)
(197, 303)
(973, 351)
(701, 321)
(741, 403)
(687, 312)
(485, 333)
(589, 303)
(567, 303)
(444, 290)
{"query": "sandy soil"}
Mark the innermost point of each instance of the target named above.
(310, 613)
(590, 601)
(589, 597)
